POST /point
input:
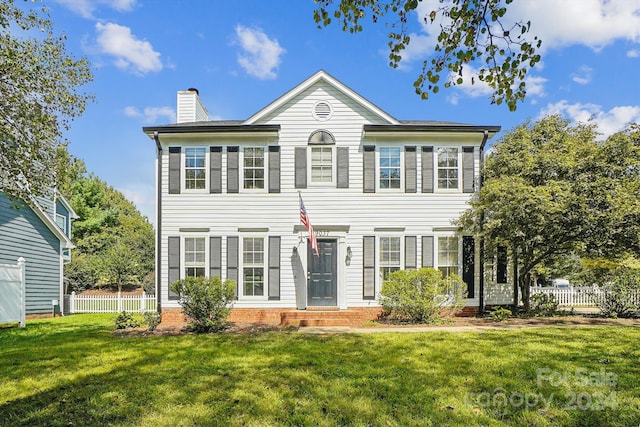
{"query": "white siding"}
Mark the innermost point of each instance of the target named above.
(417, 214)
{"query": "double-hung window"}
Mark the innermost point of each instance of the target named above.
(448, 255)
(195, 171)
(194, 257)
(61, 220)
(321, 165)
(447, 168)
(253, 266)
(253, 167)
(389, 167)
(389, 256)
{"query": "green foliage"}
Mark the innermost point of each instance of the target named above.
(126, 320)
(422, 296)
(551, 189)
(152, 319)
(471, 33)
(206, 301)
(500, 314)
(619, 294)
(543, 305)
(39, 97)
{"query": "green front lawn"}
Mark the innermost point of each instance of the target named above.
(73, 371)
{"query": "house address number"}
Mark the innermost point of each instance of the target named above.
(323, 233)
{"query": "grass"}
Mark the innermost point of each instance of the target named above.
(73, 371)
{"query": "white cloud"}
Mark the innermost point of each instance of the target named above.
(130, 53)
(142, 195)
(85, 8)
(260, 55)
(634, 53)
(151, 114)
(582, 76)
(608, 122)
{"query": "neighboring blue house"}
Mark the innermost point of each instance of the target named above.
(40, 232)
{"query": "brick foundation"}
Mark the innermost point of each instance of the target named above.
(33, 316)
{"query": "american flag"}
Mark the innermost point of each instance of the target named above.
(304, 220)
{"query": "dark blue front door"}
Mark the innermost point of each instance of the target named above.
(323, 272)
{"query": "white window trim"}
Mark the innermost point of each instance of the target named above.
(183, 171)
(378, 263)
(183, 247)
(436, 187)
(436, 261)
(265, 272)
(265, 158)
(64, 221)
(334, 166)
(378, 169)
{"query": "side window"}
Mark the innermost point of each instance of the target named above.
(448, 255)
(389, 257)
(253, 266)
(194, 257)
(253, 168)
(61, 220)
(389, 167)
(447, 168)
(321, 164)
(195, 172)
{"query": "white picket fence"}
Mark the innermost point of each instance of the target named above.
(109, 303)
(576, 296)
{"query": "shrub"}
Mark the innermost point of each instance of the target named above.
(126, 320)
(422, 296)
(619, 296)
(543, 305)
(207, 302)
(500, 314)
(152, 319)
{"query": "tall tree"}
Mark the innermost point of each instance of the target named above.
(39, 96)
(470, 32)
(550, 188)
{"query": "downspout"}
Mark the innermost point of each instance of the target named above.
(480, 182)
(156, 138)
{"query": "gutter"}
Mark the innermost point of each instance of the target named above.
(156, 138)
(480, 182)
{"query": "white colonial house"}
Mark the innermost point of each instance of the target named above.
(381, 194)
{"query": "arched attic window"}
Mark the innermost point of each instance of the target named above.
(321, 137)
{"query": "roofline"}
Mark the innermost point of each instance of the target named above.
(50, 223)
(321, 75)
(67, 205)
(208, 128)
(426, 127)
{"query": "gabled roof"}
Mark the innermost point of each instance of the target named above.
(50, 223)
(67, 205)
(330, 80)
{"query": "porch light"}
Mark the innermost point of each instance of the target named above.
(348, 258)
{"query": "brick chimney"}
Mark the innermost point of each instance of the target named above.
(190, 108)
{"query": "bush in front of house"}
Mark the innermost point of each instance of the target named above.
(207, 302)
(619, 295)
(543, 305)
(422, 296)
(500, 314)
(126, 320)
(152, 319)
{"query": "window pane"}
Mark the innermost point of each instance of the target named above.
(195, 168)
(448, 255)
(321, 164)
(253, 167)
(389, 170)
(447, 167)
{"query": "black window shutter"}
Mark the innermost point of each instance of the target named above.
(215, 170)
(232, 262)
(301, 167)
(427, 251)
(369, 267)
(427, 169)
(501, 270)
(173, 253)
(410, 170)
(369, 169)
(342, 165)
(410, 256)
(468, 170)
(274, 169)
(274, 267)
(215, 257)
(469, 264)
(175, 160)
(233, 177)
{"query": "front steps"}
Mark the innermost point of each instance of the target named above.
(328, 316)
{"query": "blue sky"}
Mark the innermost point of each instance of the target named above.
(242, 55)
